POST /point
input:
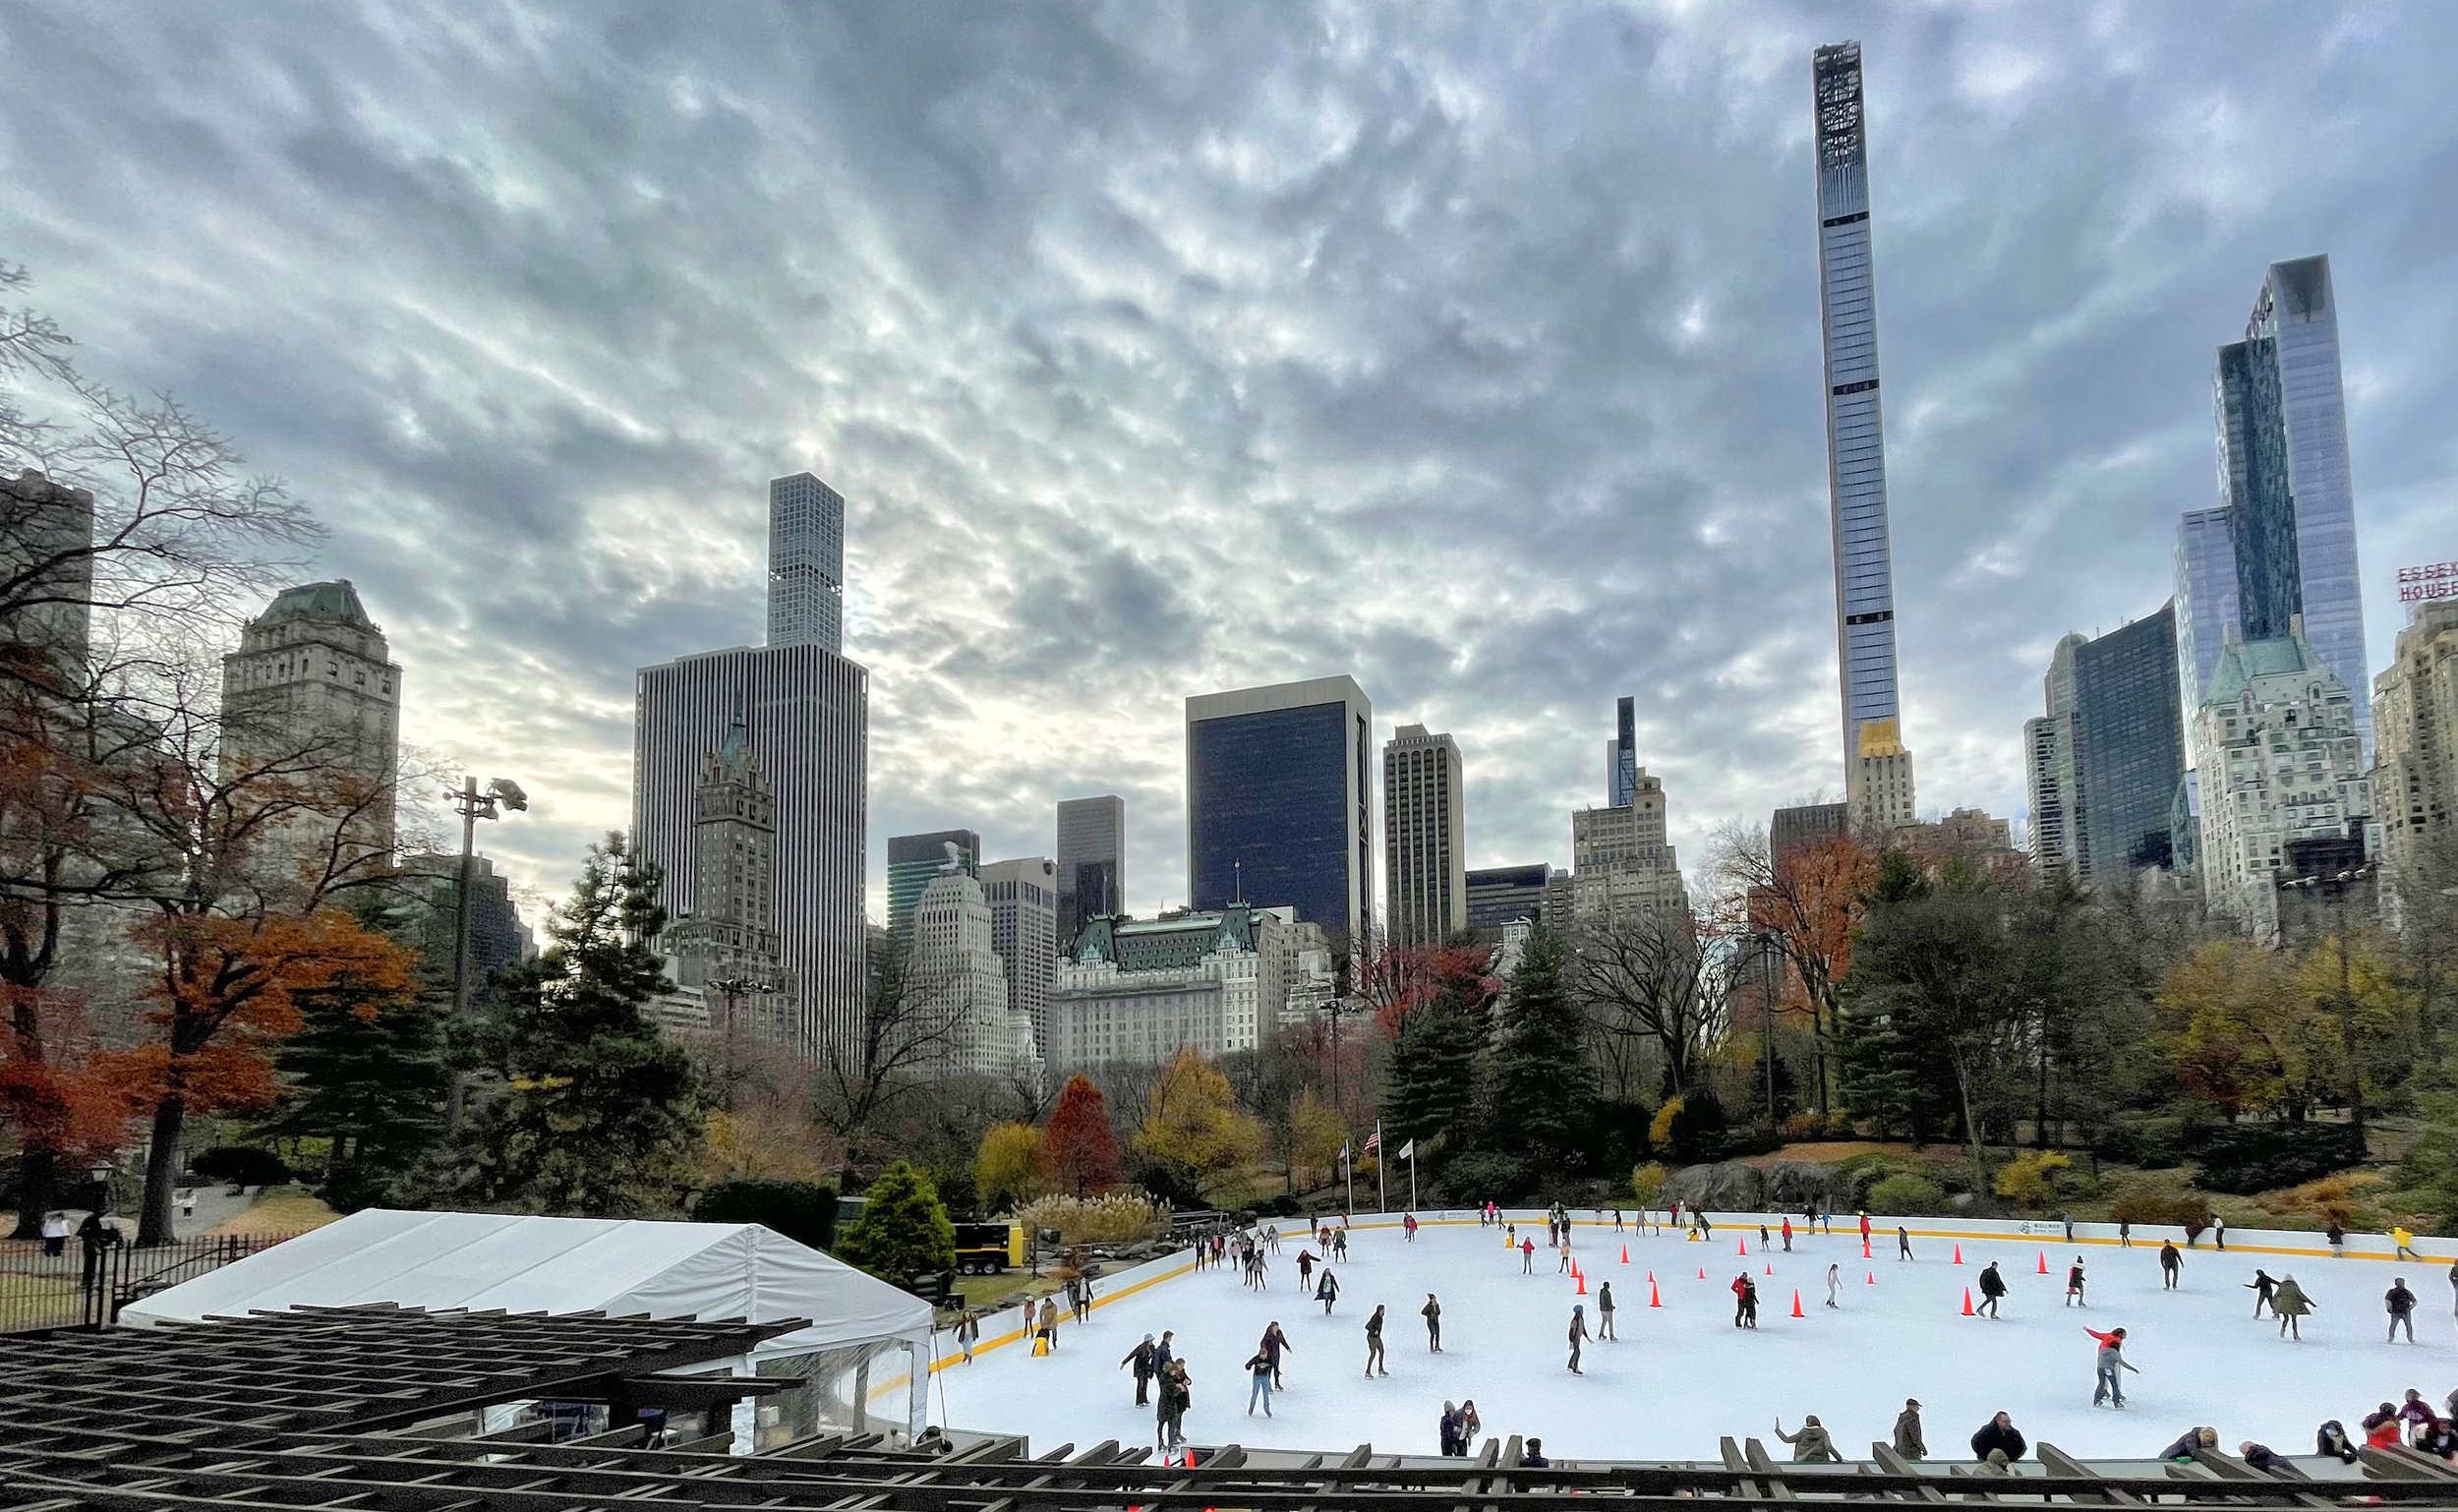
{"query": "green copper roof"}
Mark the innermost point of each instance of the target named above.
(335, 600)
(2244, 660)
(1162, 944)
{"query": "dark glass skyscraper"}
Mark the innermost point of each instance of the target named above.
(1091, 862)
(2129, 744)
(1278, 792)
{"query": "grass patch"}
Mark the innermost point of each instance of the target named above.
(282, 1211)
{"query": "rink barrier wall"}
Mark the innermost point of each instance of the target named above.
(2291, 1243)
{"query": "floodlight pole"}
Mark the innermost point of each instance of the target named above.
(472, 805)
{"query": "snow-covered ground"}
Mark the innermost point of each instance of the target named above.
(1681, 1375)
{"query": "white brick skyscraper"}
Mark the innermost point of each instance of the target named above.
(1425, 842)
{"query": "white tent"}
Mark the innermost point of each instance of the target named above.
(617, 1267)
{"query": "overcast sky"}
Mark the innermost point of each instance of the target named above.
(1470, 350)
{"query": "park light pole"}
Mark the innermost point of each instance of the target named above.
(472, 805)
(732, 990)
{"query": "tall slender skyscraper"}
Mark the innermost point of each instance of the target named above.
(2205, 599)
(1877, 769)
(1424, 838)
(805, 563)
(1278, 788)
(1621, 755)
(1091, 863)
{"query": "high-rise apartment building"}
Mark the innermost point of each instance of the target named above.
(2051, 754)
(2106, 758)
(2205, 599)
(46, 559)
(497, 939)
(1425, 839)
(1803, 825)
(914, 861)
(2415, 719)
(1877, 769)
(959, 971)
(805, 563)
(2280, 761)
(1622, 755)
(312, 687)
(1023, 929)
(1278, 795)
(806, 710)
(1619, 861)
(1091, 862)
(730, 935)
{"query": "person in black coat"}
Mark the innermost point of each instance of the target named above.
(1992, 1288)
(2331, 1441)
(1999, 1432)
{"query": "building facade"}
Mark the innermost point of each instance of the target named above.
(1620, 863)
(1278, 801)
(1138, 991)
(805, 563)
(2279, 758)
(1023, 929)
(2415, 721)
(497, 939)
(725, 947)
(2205, 604)
(1498, 895)
(2130, 745)
(313, 687)
(1803, 825)
(2050, 762)
(915, 861)
(1877, 767)
(1424, 838)
(956, 970)
(806, 711)
(46, 557)
(1091, 862)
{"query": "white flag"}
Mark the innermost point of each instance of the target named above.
(1408, 1152)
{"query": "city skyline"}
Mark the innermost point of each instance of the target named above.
(1625, 500)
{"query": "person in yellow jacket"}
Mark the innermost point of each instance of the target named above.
(2405, 1244)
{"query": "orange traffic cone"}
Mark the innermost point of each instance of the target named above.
(1771, 1270)
(1873, 1278)
(1625, 1254)
(1796, 1304)
(1583, 1283)
(1968, 1312)
(1745, 1247)
(1653, 1300)
(1958, 1254)
(1864, 1249)
(1702, 1272)
(2043, 1262)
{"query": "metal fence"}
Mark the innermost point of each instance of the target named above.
(85, 1287)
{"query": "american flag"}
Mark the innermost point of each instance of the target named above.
(1374, 1141)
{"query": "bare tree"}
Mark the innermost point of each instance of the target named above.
(1806, 904)
(911, 1030)
(1654, 981)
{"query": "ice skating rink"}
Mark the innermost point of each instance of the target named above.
(1681, 1375)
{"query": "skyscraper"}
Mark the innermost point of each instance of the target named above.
(2414, 708)
(1425, 841)
(314, 683)
(914, 860)
(2129, 729)
(2051, 753)
(1278, 792)
(46, 559)
(1091, 862)
(956, 967)
(1023, 910)
(805, 563)
(1877, 769)
(2280, 413)
(1502, 896)
(2205, 599)
(806, 711)
(731, 933)
(1622, 755)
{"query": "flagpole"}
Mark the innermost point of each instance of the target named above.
(1412, 1175)
(1348, 1174)
(1382, 1187)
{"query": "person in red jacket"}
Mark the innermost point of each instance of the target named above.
(1527, 1257)
(2382, 1428)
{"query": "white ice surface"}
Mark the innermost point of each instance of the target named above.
(1682, 1376)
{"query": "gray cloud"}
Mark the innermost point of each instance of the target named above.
(1166, 348)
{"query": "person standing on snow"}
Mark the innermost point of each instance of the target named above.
(2073, 1284)
(1433, 1311)
(2108, 1363)
(1835, 1287)
(2171, 1264)
(2400, 1304)
(1909, 1441)
(1373, 1343)
(1527, 1257)
(1903, 1243)
(1578, 1335)
(1605, 1310)
(1992, 1288)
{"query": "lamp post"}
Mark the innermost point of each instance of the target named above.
(2334, 886)
(732, 990)
(472, 805)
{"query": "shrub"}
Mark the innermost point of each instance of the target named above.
(2344, 1197)
(1907, 1194)
(1112, 1218)
(1801, 1127)
(2156, 1206)
(2148, 1142)
(241, 1165)
(1659, 1128)
(2034, 1179)
(802, 1211)
(1647, 1183)
(1487, 1174)
(1696, 1128)
(2245, 1158)
(351, 1185)
(904, 1231)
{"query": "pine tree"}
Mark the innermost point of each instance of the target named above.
(1430, 1085)
(904, 1231)
(594, 1112)
(366, 1075)
(1543, 1087)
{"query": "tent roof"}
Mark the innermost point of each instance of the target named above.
(533, 1264)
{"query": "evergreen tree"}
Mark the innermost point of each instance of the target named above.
(903, 1230)
(367, 1076)
(593, 1112)
(1430, 1084)
(1543, 1087)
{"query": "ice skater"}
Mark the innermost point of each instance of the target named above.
(1787, 1236)
(2400, 1304)
(1146, 1360)
(1527, 1257)
(1373, 1344)
(2108, 1363)
(1082, 1295)
(1992, 1290)
(2289, 1305)
(1605, 1310)
(2264, 1290)
(1259, 1367)
(1835, 1287)
(1578, 1335)
(1327, 1291)
(1177, 1394)
(1432, 1312)
(1409, 1224)
(1274, 1341)
(968, 1333)
(1903, 1243)
(2403, 1243)
(2171, 1264)
(1304, 1269)
(2125, 1233)
(1561, 1260)
(1744, 1302)
(2218, 1232)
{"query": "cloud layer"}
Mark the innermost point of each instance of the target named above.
(1469, 349)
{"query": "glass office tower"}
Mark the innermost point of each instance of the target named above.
(1278, 794)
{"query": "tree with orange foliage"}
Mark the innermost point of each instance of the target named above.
(1806, 904)
(1078, 1152)
(1394, 980)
